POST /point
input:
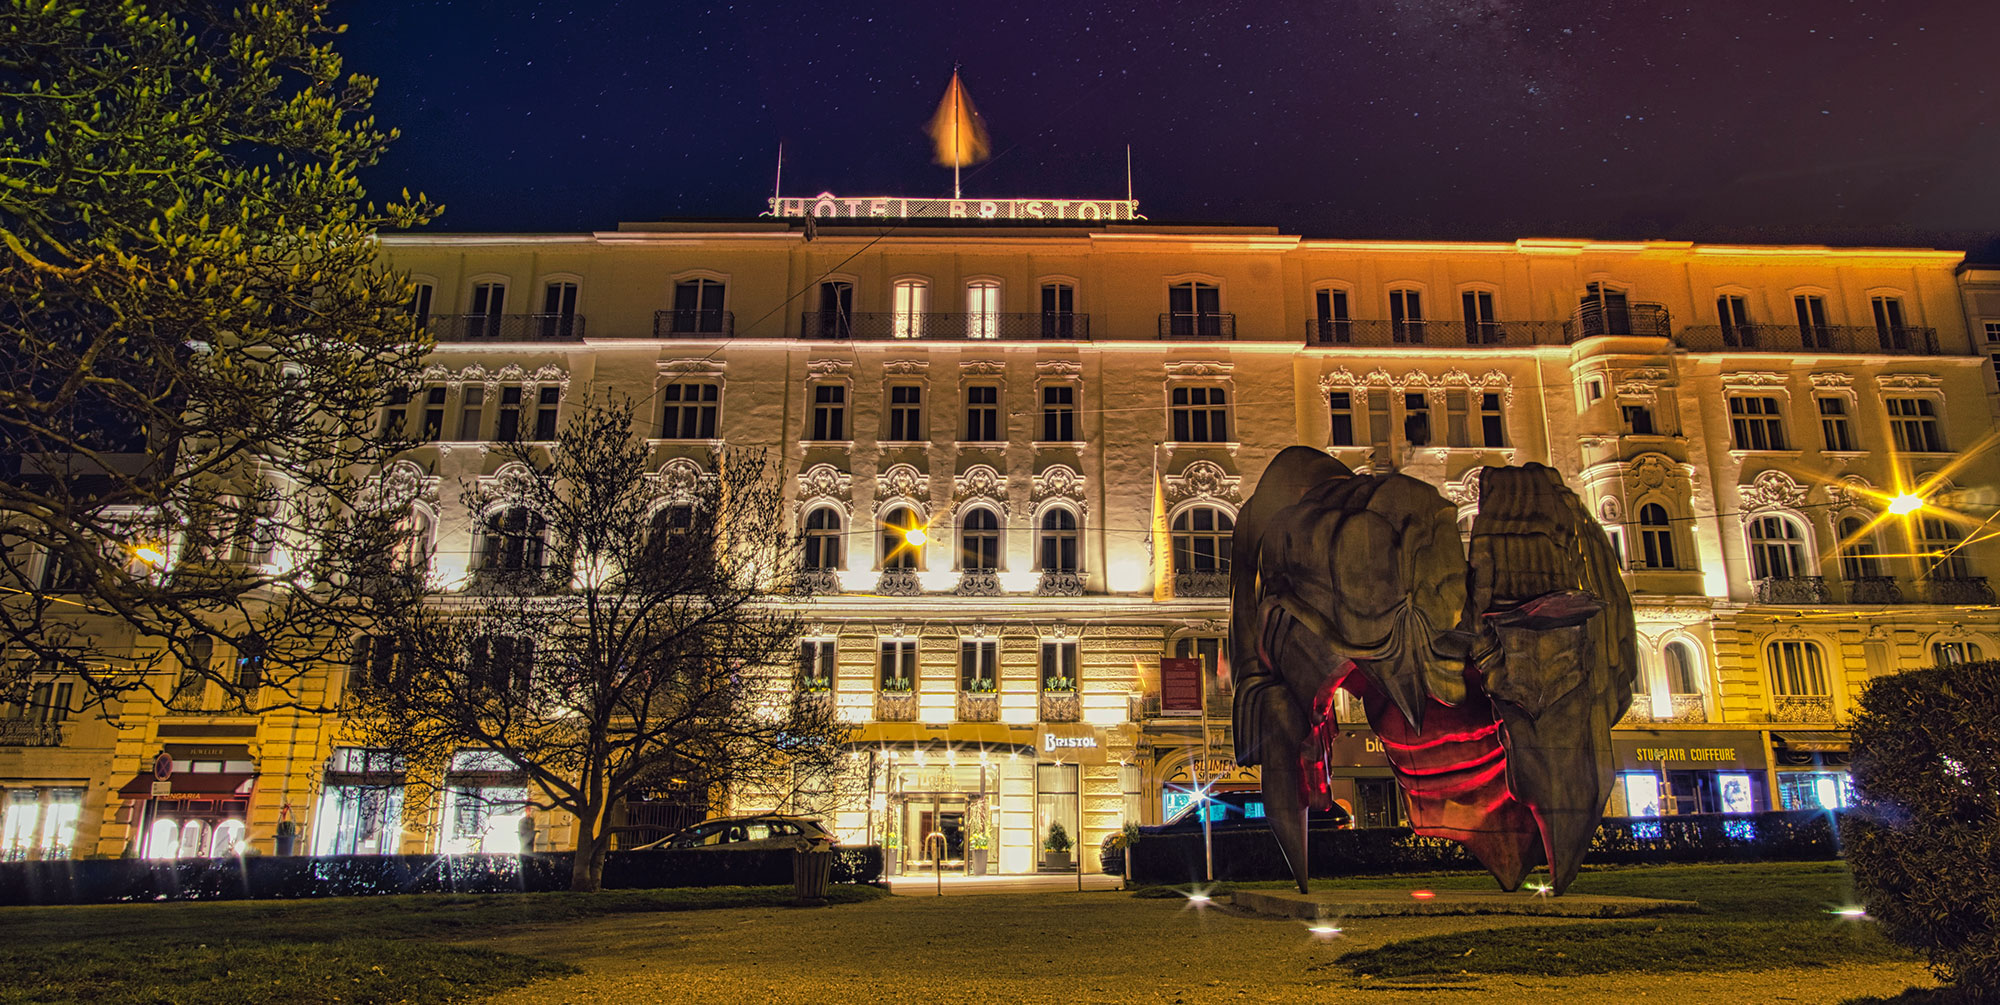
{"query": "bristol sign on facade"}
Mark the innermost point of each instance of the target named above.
(826, 205)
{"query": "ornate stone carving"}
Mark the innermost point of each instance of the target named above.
(981, 481)
(1058, 368)
(1753, 378)
(982, 367)
(829, 367)
(1203, 479)
(1770, 490)
(1653, 471)
(401, 484)
(1201, 368)
(1610, 511)
(1463, 491)
(678, 478)
(1909, 381)
(1849, 490)
(552, 374)
(700, 366)
(905, 367)
(824, 481)
(1831, 380)
(1058, 481)
(903, 481)
(512, 482)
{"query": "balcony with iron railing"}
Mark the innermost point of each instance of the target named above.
(1059, 584)
(1061, 706)
(978, 706)
(1863, 340)
(895, 706)
(1204, 325)
(998, 326)
(694, 324)
(1201, 584)
(1874, 590)
(1593, 319)
(1802, 708)
(978, 583)
(1683, 708)
(1793, 590)
(1443, 334)
(1955, 590)
(506, 327)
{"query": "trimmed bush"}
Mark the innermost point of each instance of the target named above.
(1924, 837)
(1706, 837)
(97, 881)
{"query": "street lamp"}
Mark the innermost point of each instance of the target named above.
(1905, 503)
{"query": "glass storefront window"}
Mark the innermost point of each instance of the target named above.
(59, 817)
(483, 819)
(359, 820)
(1814, 790)
(1056, 802)
(1642, 793)
(228, 839)
(164, 841)
(1738, 796)
(17, 831)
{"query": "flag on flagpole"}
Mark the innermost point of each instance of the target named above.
(956, 130)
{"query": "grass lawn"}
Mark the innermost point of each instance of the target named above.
(1752, 916)
(347, 950)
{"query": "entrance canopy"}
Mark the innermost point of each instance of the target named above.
(190, 785)
(963, 738)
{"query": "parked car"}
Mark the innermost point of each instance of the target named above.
(761, 831)
(1227, 811)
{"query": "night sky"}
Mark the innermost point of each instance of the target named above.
(1843, 121)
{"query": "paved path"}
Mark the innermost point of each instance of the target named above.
(1068, 948)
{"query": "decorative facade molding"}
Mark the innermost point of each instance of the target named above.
(1463, 491)
(982, 367)
(511, 483)
(1655, 471)
(829, 367)
(1059, 481)
(1770, 490)
(1753, 378)
(1203, 480)
(704, 366)
(1830, 380)
(824, 481)
(906, 367)
(903, 481)
(399, 485)
(1642, 382)
(1199, 369)
(1849, 490)
(981, 482)
(1909, 381)
(1058, 368)
(678, 479)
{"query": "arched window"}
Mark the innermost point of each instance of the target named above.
(982, 309)
(898, 550)
(1798, 669)
(1056, 551)
(1682, 675)
(910, 299)
(413, 548)
(1656, 537)
(979, 541)
(513, 541)
(1943, 554)
(1201, 540)
(1948, 653)
(823, 539)
(1858, 555)
(1777, 549)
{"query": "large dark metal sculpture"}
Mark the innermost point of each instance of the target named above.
(1492, 679)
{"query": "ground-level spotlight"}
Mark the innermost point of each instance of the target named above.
(1422, 894)
(1850, 913)
(1324, 930)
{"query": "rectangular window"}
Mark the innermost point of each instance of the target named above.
(1457, 430)
(911, 298)
(982, 309)
(1756, 423)
(817, 659)
(559, 310)
(1734, 314)
(1059, 413)
(982, 414)
(1200, 415)
(433, 429)
(545, 412)
(471, 407)
(1378, 422)
(1834, 429)
(1058, 310)
(1638, 419)
(899, 665)
(1194, 309)
(1406, 316)
(687, 411)
(1914, 422)
(250, 664)
(501, 663)
(1993, 347)
(395, 415)
(1492, 421)
(1814, 332)
(906, 413)
(1341, 405)
(836, 310)
(1330, 311)
(1417, 419)
(1797, 668)
(488, 300)
(1482, 327)
(829, 419)
(49, 701)
(1058, 666)
(978, 666)
(508, 427)
(420, 303)
(1889, 326)
(698, 306)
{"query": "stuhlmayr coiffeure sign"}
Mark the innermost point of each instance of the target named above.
(826, 206)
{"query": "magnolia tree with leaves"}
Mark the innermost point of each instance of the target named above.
(195, 335)
(625, 631)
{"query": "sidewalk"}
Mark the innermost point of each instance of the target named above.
(958, 884)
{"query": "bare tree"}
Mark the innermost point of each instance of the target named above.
(625, 631)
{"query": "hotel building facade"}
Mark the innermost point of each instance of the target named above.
(1074, 411)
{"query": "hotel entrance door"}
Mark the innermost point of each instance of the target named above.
(927, 818)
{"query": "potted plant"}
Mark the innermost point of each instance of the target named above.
(976, 858)
(287, 836)
(892, 844)
(1057, 847)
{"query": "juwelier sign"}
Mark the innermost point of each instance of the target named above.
(1070, 743)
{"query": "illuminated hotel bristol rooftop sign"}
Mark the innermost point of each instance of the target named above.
(827, 206)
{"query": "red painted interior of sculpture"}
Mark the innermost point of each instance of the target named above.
(1453, 772)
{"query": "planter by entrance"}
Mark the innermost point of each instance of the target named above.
(976, 861)
(1057, 861)
(889, 856)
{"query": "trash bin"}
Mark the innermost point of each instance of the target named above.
(810, 873)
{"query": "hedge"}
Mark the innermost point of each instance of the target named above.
(97, 881)
(1254, 855)
(1924, 836)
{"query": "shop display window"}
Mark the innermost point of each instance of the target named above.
(1814, 790)
(1642, 793)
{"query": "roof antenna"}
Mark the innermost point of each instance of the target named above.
(1128, 175)
(778, 186)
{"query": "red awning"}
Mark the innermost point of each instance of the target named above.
(212, 785)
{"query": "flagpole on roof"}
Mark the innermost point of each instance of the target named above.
(955, 156)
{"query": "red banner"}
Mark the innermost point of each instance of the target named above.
(1180, 686)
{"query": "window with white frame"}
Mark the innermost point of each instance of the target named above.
(897, 550)
(979, 541)
(1340, 409)
(1056, 549)
(978, 666)
(547, 401)
(1201, 539)
(472, 413)
(416, 539)
(1194, 308)
(829, 412)
(1733, 311)
(1859, 557)
(1798, 669)
(1889, 327)
(558, 320)
(910, 302)
(818, 658)
(1331, 317)
(1777, 548)
(49, 701)
(507, 423)
(1406, 316)
(1756, 422)
(421, 295)
(1492, 420)
(982, 309)
(688, 410)
(432, 429)
(1482, 326)
(898, 665)
(1683, 673)
(1913, 422)
(1810, 311)
(1058, 413)
(1836, 432)
(906, 414)
(1378, 423)
(1200, 414)
(396, 415)
(1656, 537)
(1943, 551)
(1457, 424)
(982, 413)
(822, 539)
(489, 300)
(697, 306)
(1058, 310)
(1059, 667)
